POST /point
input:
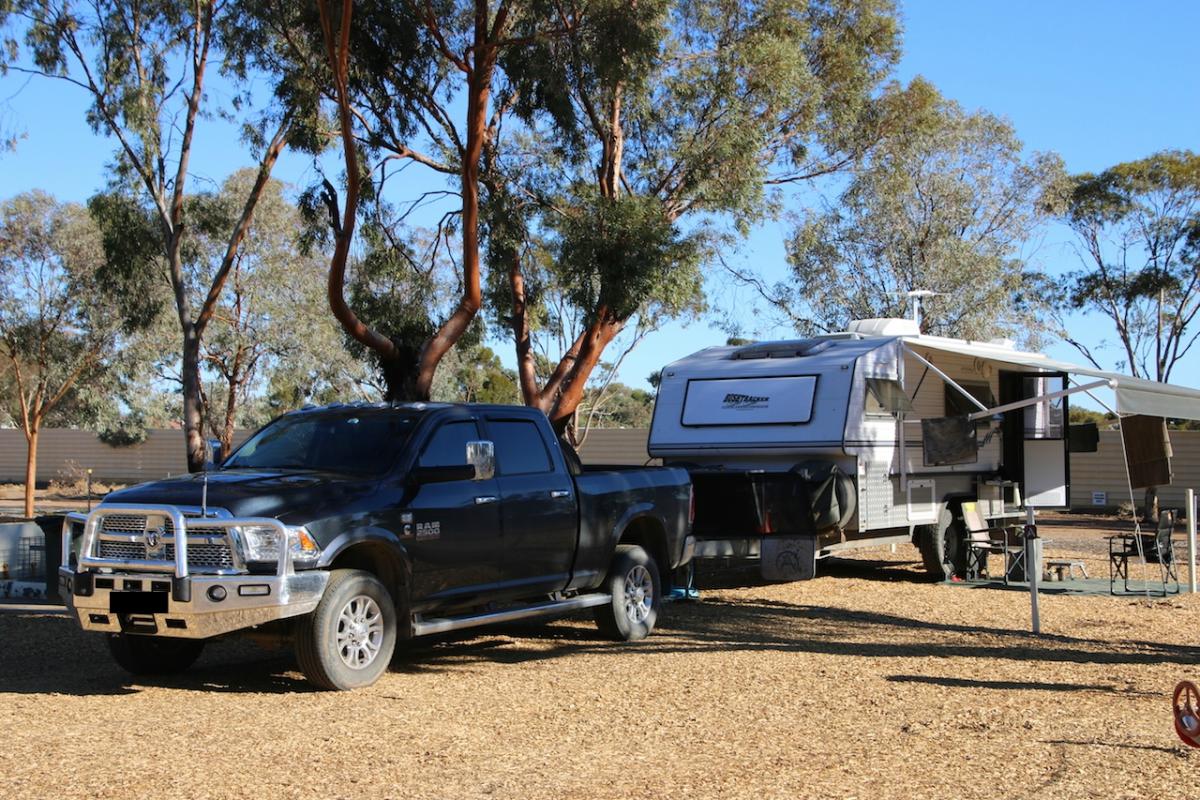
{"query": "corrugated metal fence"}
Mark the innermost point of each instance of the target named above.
(1097, 479)
(63, 453)
(1102, 473)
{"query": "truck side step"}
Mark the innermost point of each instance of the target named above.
(424, 627)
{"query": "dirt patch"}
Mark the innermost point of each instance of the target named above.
(869, 681)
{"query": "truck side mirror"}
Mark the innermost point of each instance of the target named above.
(482, 456)
(215, 454)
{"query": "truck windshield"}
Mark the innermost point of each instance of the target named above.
(362, 442)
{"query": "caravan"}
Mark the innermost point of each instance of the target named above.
(806, 448)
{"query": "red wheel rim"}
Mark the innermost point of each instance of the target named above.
(1186, 704)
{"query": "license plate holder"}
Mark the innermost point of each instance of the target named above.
(137, 602)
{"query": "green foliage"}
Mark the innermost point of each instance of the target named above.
(61, 319)
(1138, 228)
(129, 431)
(133, 254)
(647, 129)
(718, 96)
(272, 341)
(617, 406)
(623, 253)
(1085, 416)
(474, 374)
(943, 203)
(388, 293)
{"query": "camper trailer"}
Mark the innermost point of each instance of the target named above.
(806, 448)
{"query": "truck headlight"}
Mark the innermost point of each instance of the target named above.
(262, 544)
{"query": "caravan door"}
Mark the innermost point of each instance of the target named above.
(1036, 446)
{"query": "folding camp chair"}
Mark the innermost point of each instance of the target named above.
(984, 540)
(1148, 548)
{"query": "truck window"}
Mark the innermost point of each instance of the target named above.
(519, 447)
(362, 442)
(448, 445)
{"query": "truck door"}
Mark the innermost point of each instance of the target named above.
(538, 512)
(453, 534)
(1036, 444)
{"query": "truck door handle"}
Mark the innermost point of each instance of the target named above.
(485, 499)
(560, 492)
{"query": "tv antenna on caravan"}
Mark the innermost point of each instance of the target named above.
(914, 301)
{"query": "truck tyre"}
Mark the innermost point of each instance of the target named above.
(153, 655)
(347, 641)
(941, 546)
(636, 589)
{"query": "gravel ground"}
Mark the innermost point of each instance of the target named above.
(867, 682)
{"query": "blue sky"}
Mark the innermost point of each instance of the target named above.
(1099, 82)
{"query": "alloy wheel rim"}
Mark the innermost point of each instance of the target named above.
(639, 594)
(360, 632)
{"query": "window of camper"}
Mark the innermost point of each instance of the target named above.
(783, 400)
(1044, 419)
(959, 406)
(886, 397)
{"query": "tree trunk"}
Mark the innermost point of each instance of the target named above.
(526, 363)
(230, 414)
(193, 404)
(31, 440)
(598, 336)
(478, 91)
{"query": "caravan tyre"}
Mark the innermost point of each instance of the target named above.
(941, 546)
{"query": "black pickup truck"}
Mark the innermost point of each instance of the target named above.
(348, 527)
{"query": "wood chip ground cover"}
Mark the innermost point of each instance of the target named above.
(867, 682)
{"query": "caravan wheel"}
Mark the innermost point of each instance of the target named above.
(941, 545)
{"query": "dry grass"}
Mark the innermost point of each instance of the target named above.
(867, 682)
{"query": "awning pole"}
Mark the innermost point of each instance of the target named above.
(945, 377)
(1033, 566)
(1041, 398)
(1191, 512)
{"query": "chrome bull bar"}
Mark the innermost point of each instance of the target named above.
(178, 567)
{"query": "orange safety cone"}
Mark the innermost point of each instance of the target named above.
(1187, 713)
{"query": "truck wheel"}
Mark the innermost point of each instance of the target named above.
(347, 642)
(635, 586)
(153, 655)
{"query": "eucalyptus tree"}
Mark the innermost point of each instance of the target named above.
(1137, 226)
(63, 316)
(270, 317)
(944, 203)
(145, 68)
(648, 127)
(410, 84)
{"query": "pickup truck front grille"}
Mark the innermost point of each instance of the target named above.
(124, 537)
(125, 523)
(214, 555)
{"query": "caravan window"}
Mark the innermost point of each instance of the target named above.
(959, 406)
(886, 397)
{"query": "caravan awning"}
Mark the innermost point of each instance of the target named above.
(1134, 395)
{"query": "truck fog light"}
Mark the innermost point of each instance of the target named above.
(254, 590)
(216, 593)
